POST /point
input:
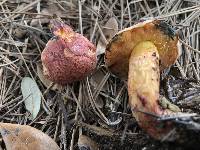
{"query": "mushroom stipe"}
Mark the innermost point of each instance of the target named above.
(143, 88)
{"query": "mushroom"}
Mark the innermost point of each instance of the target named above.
(69, 56)
(139, 53)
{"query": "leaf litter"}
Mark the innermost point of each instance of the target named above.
(19, 59)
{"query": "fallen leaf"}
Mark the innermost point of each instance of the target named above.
(40, 19)
(109, 30)
(47, 83)
(86, 143)
(32, 95)
(51, 8)
(23, 137)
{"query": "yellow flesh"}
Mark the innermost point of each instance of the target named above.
(143, 87)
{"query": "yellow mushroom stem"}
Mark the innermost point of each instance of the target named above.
(143, 89)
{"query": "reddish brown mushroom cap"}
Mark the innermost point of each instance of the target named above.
(69, 57)
(120, 47)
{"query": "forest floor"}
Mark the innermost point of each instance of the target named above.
(97, 106)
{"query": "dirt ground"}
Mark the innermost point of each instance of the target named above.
(97, 106)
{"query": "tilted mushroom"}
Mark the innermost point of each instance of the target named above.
(69, 56)
(140, 52)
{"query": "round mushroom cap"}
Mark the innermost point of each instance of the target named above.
(122, 44)
(68, 57)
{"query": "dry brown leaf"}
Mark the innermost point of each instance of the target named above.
(51, 9)
(109, 30)
(47, 83)
(84, 142)
(35, 22)
(23, 137)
